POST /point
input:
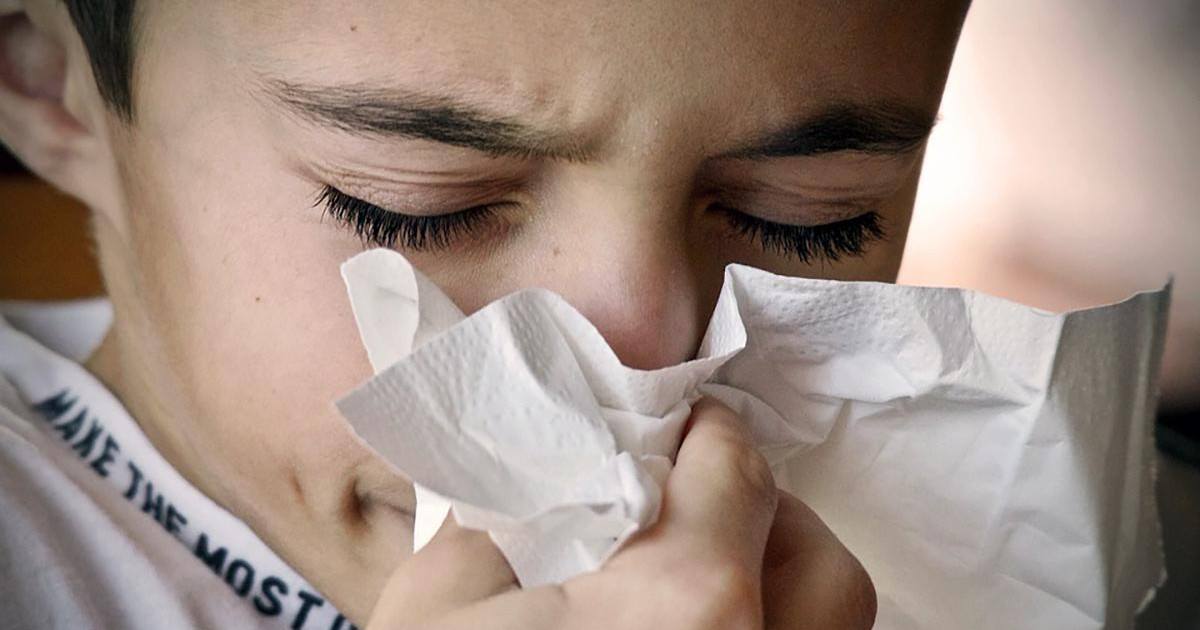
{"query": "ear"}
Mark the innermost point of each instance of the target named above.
(51, 114)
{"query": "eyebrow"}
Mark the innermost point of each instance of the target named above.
(880, 128)
(395, 113)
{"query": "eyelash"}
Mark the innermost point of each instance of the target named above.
(806, 243)
(384, 228)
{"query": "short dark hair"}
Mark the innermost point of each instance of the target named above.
(107, 30)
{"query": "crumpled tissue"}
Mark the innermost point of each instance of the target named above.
(987, 462)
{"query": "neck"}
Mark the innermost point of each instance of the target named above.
(115, 365)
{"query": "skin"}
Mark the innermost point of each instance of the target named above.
(233, 334)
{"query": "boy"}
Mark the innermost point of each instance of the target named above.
(233, 153)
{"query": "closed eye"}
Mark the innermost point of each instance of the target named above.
(385, 228)
(807, 243)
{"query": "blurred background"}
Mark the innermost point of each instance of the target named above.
(1065, 172)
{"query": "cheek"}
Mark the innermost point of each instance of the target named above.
(243, 286)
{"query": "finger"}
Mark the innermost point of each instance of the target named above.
(721, 489)
(458, 567)
(810, 579)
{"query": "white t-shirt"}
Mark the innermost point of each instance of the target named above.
(97, 530)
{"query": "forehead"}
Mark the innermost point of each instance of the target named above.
(578, 61)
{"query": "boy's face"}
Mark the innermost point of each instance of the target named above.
(620, 154)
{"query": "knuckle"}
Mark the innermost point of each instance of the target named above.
(730, 450)
(751, 473)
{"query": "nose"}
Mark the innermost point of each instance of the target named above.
(634, 276)
(643, 302)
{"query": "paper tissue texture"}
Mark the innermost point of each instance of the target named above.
(988, 463)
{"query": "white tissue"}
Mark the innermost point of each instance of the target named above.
(987, 462)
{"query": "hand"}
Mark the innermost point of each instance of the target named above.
(729, 552)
